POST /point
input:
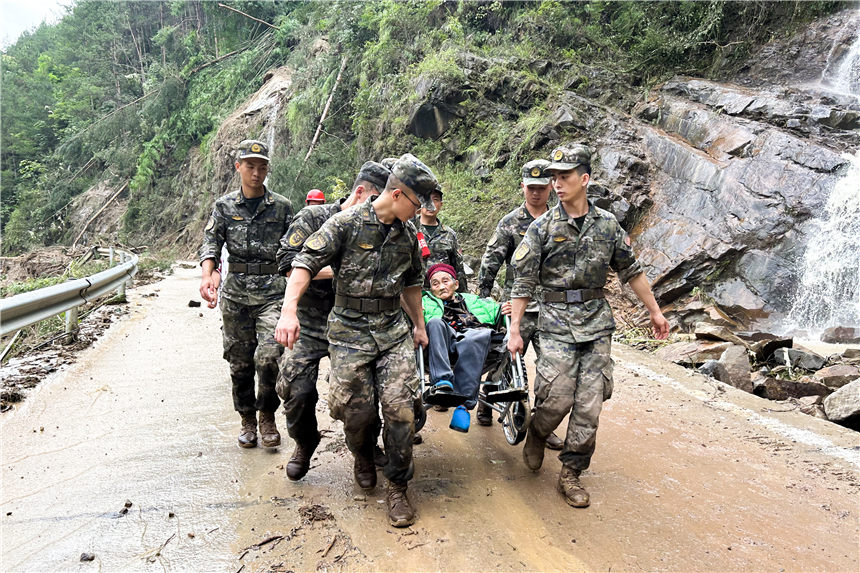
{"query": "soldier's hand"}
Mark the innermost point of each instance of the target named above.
(420, 337)
(209, 289)
(506, 308)
(515, 342)
(659, 326)
(287, 331)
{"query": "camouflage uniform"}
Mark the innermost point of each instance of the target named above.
(367, 346)
(509, 233)
(299, 367)
(574, 371)
(250, 301)
(444, 248)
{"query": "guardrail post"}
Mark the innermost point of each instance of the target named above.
(110, 257)
(120, 292)
(71, 325)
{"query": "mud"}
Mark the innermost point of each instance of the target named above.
(688, 475)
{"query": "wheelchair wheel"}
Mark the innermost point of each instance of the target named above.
(420, 414)
(516, 421)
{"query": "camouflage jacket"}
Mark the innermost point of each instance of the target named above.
(367, 263)
(318, 300)
(250, 238)
(556, 256)
(509, 233)
(444, 248)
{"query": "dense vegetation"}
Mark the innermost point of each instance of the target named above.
(122, 92)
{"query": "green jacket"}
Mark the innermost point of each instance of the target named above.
(485, 309)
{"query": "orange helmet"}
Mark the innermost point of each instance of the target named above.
(314, 195)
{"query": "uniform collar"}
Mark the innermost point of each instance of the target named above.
(368, 215)
(267, 197)
(559, 214)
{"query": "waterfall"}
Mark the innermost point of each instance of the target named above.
(846, 77)
(828, 292)
(271, 121)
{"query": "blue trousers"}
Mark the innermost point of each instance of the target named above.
(467, 350)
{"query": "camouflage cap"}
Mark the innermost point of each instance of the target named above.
(389, 162)
(252, 148)
(438, 189)
(375, 173)
(418, 177)
(569, 157)
(534, 172)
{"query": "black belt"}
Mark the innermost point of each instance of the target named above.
(367, 304)
(254, 268)
(578, 295)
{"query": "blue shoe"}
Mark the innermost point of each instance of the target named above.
(443, 386)
(460, 419)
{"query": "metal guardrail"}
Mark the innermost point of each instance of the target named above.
(28, 308)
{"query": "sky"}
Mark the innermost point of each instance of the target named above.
(17, 16)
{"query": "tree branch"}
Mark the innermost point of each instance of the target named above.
(247, 16)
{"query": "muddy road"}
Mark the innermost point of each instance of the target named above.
(130, 455)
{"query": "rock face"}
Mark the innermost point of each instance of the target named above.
(841, 335)
(737, 363)
(844, 405)
(838, 375)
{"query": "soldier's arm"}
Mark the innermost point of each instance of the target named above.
(630, 271)
(210, 252)
(527, 259)
(302, 227)
(491, 262)
(659, 324)
(288, 328)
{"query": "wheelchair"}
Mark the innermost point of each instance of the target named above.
(504, 389)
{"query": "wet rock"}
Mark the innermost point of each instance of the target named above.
(764, 348)
(737, 363)
(88, 556)
(851, 353)
(705, 331)
(841, 335)
(837, 376)
(692, 353)
(715, 369)
(844, 404)
(797, 358)
(778, 389)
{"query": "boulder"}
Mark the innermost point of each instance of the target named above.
(692, 353)
(841, 335)
(778, 389)
(851, 353)
(844, 404)
(764, 348)
(705, 331)
(812, 406)
(715, 369)
(837, 376)
(736, 360)
(798, 359)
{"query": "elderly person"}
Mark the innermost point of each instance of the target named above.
(459, 326)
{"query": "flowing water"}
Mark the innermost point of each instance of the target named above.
(829, 290)
(844, 76)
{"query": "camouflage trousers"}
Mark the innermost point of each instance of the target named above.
(358, 378)
(297, 386)
(250, 347)
(572, 379)
(529, 331)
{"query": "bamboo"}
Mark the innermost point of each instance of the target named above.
(323, 116)
(99, 212)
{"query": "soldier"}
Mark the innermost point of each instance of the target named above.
(373, 250)
(568, 252)
(314, 197)
(250, 221)
(510, 231)
(297, 384)
(442, 241)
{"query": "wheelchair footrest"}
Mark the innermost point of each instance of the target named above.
(447, 399)
(508, 395)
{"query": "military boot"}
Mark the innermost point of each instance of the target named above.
(484, 415)
(533, 451)
(269, 435)
(300, 462)
(364, 471)
(248, 436)
(400, 511)
(380, 458)
(553, 442)
(569, 486)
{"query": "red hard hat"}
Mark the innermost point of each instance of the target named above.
(315, 195)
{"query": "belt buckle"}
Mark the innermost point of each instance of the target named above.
(252, 269)
(369, 305)
(574, 296)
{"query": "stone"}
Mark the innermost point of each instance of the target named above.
(798, 359)
(692, 353)
(736, 360)
(705, 331)
(764, 348)
(841, 335)
(837, 376)
(843, 404)
(779, 389)
(851, 353)
(715, 369)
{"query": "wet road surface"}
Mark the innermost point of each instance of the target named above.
(688, 475)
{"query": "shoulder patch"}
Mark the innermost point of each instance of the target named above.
(521, 251)
(523, 233)
(559, 239)
(494, 241)
(211, 224)
(365, 246)
(297, 238)
(316, 242)
(238, 218)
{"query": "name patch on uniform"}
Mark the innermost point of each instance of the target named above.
(297, 237)
(238, 218)
(365, 246)
(316, 242)
(521, 251)
(559, 239)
